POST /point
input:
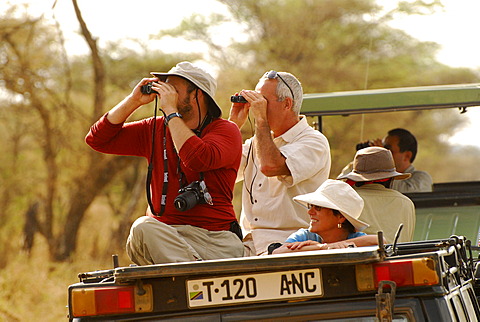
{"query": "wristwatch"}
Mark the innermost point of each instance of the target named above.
(171, 116)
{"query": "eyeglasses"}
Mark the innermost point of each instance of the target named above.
(273, 74)
(317, 208)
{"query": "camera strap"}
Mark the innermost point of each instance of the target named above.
(207, 120)
(150, 165)
(198, 131)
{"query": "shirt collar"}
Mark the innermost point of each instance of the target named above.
(295, 130)
(410, 169)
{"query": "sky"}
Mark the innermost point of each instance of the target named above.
(455, 28)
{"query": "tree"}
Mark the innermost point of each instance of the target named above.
(44, 88)
(336, 46)
(50, 175)
(49, 171)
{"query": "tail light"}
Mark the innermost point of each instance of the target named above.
(406, 272)
(93, 301)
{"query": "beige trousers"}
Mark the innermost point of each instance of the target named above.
(153, 242)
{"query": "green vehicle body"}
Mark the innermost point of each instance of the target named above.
(452, 208)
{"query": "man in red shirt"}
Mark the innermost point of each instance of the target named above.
(193, 149)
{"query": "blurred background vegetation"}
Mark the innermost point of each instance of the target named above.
(66, 209)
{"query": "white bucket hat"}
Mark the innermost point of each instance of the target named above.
(336, 194)
(201, 78)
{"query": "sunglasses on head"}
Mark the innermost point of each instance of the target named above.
(317, 208)
(273, 74)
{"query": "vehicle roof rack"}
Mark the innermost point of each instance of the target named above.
(398, 99)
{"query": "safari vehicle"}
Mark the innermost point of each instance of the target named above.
(453, 208)
(434, 278)
(418, 281)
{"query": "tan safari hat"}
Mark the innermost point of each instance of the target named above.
(201, 78)
(336, 194)
(374, 163)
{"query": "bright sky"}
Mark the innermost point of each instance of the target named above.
(455, 28)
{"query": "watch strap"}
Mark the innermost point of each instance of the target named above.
(172, 115)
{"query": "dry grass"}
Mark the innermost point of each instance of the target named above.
(31, 288)
(34, 289)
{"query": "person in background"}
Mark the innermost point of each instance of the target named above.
(403, 146)
(190, 148)
(384, 209)
(334, 209)
(285, 158)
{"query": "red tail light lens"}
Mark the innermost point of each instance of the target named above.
(407, 272)
(115, 300)
(95, 301)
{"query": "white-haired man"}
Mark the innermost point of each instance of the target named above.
(285, 158)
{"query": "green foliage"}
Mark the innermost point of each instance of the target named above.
(337, 46)
(48, 108)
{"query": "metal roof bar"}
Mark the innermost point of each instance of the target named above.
(393, 99)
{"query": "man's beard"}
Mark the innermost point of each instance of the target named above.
(185, 108)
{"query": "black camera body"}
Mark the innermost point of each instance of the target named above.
(362, 145)
(193, 194)
(238, 99)
(147, 89)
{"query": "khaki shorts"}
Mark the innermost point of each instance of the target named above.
(153, 242)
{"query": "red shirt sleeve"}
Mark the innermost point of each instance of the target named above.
(132, 138)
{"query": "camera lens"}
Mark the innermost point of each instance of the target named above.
(186, 201)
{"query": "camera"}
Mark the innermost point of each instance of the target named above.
(193, 194)
(362, 145)
(238, 99)
(147, 89)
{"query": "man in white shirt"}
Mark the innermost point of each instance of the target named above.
(285, 158)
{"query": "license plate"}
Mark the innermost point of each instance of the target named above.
(254, 287)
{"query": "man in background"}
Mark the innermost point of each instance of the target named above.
(403, 146)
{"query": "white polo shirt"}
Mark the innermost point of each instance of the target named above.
(268, 211)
